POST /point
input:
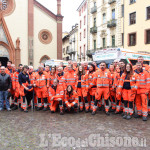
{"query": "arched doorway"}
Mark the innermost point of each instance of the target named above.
(44, 59)
(4, 55)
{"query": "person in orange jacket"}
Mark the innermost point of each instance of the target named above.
(142, 92)
(96, 68)
(24, 82)
(144, 66)
(35, 91)
(66, 68)
(112, 92)
(47, 70)
(119, 99)
(103, 81)
(82, 88)
(91, 86)
(70, 78)
(75, 66)
(30, 92)
(41, 83)
(116, 63)
(71, 100)
(53, 75)
(128, 86)
(9, 68)
(149, 95)
(60, 76)
(16, 87)
(56, 96)
(85, 65)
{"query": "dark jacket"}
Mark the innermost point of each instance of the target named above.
(5, 82)
(23, 78)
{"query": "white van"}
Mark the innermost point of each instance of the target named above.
(55, 62)
(109, 55)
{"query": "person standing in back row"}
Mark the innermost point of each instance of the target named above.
(103, 81)
(5, 87)
(24, 82)
(142, 92)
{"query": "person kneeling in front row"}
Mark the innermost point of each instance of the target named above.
(56, 96)
(71, 99)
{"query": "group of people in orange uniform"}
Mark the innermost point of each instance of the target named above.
(120, 89)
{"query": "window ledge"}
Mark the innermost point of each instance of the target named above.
(132, 24)
(132, 3)
(131, 45)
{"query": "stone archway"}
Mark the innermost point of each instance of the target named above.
(44, 58)
(11, 53)
(4, 55)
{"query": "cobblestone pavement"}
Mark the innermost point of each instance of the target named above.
(37, 130)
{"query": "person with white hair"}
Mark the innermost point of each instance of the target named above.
(41, 83)
(16, 87)
(56, 96)
(60, 76)
(5, 86)
(116, 62)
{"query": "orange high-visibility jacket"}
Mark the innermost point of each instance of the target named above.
(86, 69)
(32, 77)
(11, 73)
(70, 78)
(8, 71)
(73, 98)
(144, 81)
(74, 68)
(16, 81)
(134, 82)
(60, 77)
(116, 80)
(47, 72)
(84, 82)
(90, 80)
(41, 80)
(102, 78)
(112, 79)
(51, 79)
(144, 67)
(59, 93)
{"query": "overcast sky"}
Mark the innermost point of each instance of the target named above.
(69, 12)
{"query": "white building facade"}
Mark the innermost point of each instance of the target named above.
(73, 43)
(105, 25)
(83, 31)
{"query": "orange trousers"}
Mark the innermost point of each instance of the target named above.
(42, 92)
(22, 94)
(102, 92)
(113, 98)
(128, 97)
(141, 104)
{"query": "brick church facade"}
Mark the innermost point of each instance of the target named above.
(29, 32)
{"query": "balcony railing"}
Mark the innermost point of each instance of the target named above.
(111, 24)
(111, 1)
(89, 53)
(93, 9)
(93, 30)
(70, 41)
(73, 40)
(70, 51)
